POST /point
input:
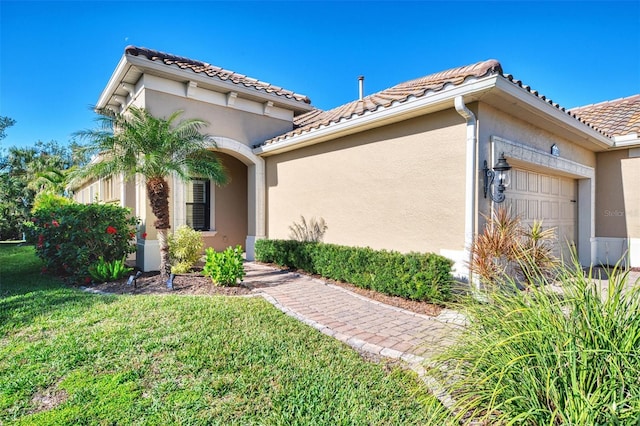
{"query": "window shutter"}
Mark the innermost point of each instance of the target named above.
(197, 205)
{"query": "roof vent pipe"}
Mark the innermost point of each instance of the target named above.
(361, 85)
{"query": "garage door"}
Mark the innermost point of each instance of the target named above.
(552, 199)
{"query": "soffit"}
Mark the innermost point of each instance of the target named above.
(541, 112)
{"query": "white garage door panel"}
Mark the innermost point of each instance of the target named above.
(552, 199)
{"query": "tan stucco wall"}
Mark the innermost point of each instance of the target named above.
(492, 121)
(630, 168)
(241, 126)
(611, 211)
(399, 187)
(130, 194)
(145, 214)
(230, 207)
(80, 194)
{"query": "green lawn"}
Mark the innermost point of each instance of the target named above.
(69, 357)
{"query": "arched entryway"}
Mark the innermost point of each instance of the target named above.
(237, 210)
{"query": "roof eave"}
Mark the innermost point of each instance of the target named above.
(535, 103)
(631, 140)
(116, 78)
(431, 102)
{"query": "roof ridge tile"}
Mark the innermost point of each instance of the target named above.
(609, 102)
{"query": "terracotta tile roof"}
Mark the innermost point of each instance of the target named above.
(396, 94)
(415, 89)
(214, 72)
(617, 118)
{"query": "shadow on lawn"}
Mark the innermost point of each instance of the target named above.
(18, 310)
(26, 294)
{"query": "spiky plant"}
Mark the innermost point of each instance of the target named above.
(506, 249)
(308, 231)
(569, 357)
(533, 255)
(492, 249)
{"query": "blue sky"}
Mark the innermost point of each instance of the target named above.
(56, 57)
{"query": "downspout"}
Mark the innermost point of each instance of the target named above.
(470, 184)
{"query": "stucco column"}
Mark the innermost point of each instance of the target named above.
(630, 168)
(148, 249)
(256, 206)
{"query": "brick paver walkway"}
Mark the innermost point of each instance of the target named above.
(362, 323)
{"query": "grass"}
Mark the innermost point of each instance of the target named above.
(543, 357)
(69, 357)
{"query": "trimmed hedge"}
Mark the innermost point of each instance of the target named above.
(417, 276)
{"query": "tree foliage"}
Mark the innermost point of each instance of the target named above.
(26, 172)
(5, 122)
(137, 143)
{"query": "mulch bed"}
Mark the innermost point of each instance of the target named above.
(196, 284)
(399, 302)
(184, 284)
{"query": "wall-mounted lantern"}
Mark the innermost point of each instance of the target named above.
(496, 180)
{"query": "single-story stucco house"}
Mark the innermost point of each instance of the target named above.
(401, 169)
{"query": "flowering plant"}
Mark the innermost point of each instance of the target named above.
(70, 238)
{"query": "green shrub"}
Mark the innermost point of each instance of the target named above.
(418, 276)
(224, 268)
(541, 357)
(185, 249)
(103, 271)
(47, 200)
(70, 238)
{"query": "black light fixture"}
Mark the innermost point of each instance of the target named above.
(499, 177)
(133, 279)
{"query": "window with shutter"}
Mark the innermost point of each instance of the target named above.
(198, 204)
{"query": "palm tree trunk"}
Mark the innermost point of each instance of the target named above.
(158, 193)
(165, 262)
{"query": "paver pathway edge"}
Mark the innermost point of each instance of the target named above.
(274, 290)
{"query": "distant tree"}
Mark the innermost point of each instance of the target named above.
(137, 143)
(5, 122)
(26, 172)
(14, 207)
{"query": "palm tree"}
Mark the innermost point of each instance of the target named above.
(136, 142)
(50, 180)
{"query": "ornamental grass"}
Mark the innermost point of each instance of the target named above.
(567, 354)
